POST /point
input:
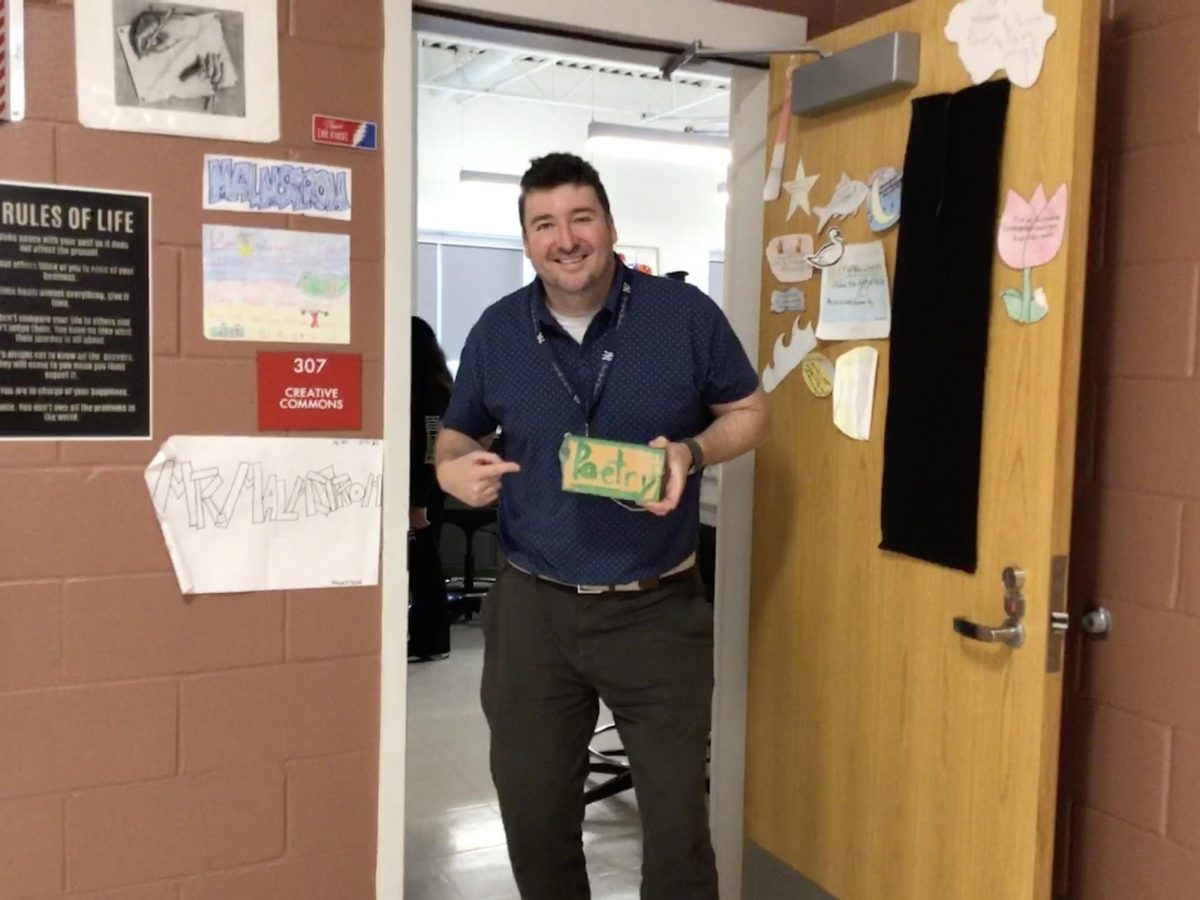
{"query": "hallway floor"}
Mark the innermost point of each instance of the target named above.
(454, 847)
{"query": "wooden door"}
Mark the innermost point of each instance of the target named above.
(889, 758)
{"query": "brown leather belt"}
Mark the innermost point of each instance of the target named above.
(646, 584)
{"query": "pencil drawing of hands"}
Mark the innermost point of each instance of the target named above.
(172, 54)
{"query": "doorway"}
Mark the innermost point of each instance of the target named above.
(484, 109)
(655, 29)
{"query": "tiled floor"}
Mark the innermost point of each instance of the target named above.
(454, 847)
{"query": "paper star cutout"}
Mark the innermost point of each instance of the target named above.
(798, 189)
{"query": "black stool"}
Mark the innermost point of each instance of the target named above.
(615, 762)
(466, 593)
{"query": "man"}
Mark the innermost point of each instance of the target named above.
(600, 598)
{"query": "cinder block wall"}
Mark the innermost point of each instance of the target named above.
(154, 747)
(1131, 760)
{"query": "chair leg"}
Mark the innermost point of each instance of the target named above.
(615, 785)
(607, 762)
(470, 605)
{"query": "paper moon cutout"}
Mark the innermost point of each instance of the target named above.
(883, 202)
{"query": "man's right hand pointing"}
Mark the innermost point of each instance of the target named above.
(474, 478)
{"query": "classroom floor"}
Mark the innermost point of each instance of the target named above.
(454, 847)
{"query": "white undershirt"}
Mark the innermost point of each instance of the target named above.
(575, 326)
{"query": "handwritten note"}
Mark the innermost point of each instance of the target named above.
(791, 300)
(611, 468)
(854, 392)
(855, 300)
(788, 254)
(817, 372)
(1001, 34)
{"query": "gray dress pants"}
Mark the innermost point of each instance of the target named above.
(549, 654)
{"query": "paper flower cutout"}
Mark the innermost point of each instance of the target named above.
(1001, 34)
(1031, 234)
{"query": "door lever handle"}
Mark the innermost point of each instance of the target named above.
(1011, 632)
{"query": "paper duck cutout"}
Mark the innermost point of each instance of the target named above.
(831, 253)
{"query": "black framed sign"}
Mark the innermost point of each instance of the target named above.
(74, 313)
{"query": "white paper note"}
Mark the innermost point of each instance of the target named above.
(268, 513)
(854, 391)
(1001, 34)
(791, 300)
(855, 300)
(788, 256)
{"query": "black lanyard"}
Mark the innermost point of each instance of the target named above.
(606, 357)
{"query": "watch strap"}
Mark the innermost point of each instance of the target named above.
(697, 454)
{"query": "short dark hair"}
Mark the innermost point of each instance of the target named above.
(548, 172)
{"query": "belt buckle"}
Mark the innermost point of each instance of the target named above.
(590, 589)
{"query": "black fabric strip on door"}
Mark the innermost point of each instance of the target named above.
(940, 308)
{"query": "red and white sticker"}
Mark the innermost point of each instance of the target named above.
(357, 133)
(12, 60)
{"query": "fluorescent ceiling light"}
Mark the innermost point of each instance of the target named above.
(501, 179)
(659, 144)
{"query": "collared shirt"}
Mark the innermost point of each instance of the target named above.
(674, 356)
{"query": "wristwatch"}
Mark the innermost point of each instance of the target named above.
(697, 454)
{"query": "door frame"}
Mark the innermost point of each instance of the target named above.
(680, 22)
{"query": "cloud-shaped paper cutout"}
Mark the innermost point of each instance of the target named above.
(1001, 34)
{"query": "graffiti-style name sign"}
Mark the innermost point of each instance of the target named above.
(241, 184)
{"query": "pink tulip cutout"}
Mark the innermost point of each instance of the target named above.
(1030, 235)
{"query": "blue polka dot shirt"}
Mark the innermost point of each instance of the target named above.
(674, 356)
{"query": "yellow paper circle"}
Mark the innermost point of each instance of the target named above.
(817, 372)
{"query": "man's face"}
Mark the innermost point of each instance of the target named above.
(568, 238)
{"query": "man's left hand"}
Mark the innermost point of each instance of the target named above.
(675, 473)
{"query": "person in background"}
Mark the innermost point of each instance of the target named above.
(429, 609)
(600, 599)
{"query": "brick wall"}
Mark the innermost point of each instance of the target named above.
(1131, 761)
(154, 747)
(825, 15)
